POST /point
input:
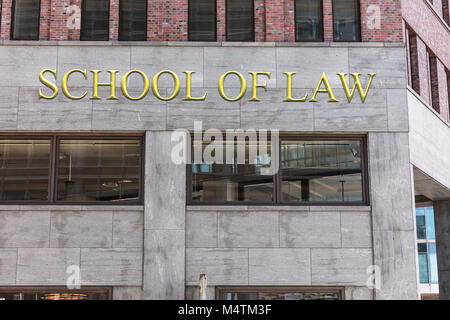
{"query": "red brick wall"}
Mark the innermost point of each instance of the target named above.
(390, 29)
(113, 19)
(445, 11)
(6, 20)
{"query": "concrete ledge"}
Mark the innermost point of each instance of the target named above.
(41, 207)
(208, 208)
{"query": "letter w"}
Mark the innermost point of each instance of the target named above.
(363, 94)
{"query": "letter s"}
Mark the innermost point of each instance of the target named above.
(48, 84)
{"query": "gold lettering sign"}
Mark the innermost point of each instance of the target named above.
(258, 80)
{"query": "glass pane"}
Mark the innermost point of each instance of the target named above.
(240, 20)
(133, 20)
(420, 222)
(433, 262)
(24, 169)
(98, 170)
(429, 213)
(280, 296)
(423, 268)
(202, 20)
(308, 20)
(234, 180)
(95, 20)
(346, 20)
(26, 20)
(321, 171)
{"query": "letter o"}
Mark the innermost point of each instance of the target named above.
(243, 86)
(124, 85)
(155, 85)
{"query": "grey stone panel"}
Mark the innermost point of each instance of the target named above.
(279, 267)
(127, 293)
(152, 60)
(310, 230)
(164, 276)
(221, 266)
(272, 113)
(9, 104)
(21, 65)
(358, 293)
(201, 229)
(254, 230)
(444, 285)
(244, 60)
(340, 266)
(388, 64)
(24, 229)
(214, 112)
(397, 105)
(442, 223)
(111, 267)
(81, 229)
(395, 256)
(390, 181)
(356, 230)
(165, 202)
(125, 114)
(45, 266)
(58, 114)
(128, 229)
(355, 116)
(8, 266)
(92, 58)
(309, 64)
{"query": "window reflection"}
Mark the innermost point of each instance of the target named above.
(133, 20)
(202, 20)
(95, 20)
(321, 171)
(308, 20)
(26, 20)
(426, 247)
(346, 20)
(24, 169)
(98, 170)
(240, 20)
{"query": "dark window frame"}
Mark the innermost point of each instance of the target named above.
(146, 22)
(359, 35)
(83, 21)
(53, 176)
(277, 198)
(322, 23)
(189, 28)
(50, 289)
(279, 289)
(226, 23)
(13, 13)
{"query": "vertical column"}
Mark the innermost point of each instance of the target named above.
(443, 89)
(177, 13)
(437, 5)
(114, 20)
(6, 20)
(260, 21)
(274, 21)
(393, 219)
(58, 20)
(445, 11)
(442, 224)
(419, 67)
(327, 20)
(44, 19)
(221, 20)
(164, 229)
(289, 21)
(75, 20)
(155, 17)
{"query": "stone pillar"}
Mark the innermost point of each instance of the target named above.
(442, 225)
(164, 225)
(393, 218)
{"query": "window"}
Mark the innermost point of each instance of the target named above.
(312, 170)
(426, 247)
(346, 22)
(25, 22)
(202, 20)
(47, 293)
(60, 169)
(133, 20)
(240, 24)
(308, 20)
(279, 293)
(95, 20)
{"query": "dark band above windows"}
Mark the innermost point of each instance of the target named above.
(95, 20)
(25, 21)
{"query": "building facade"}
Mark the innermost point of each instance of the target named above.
(341, 110)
